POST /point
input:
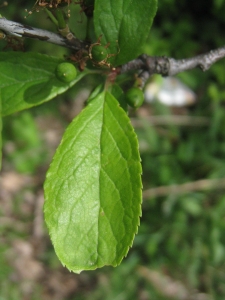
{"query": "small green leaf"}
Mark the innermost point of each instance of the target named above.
(93, 188)
(125, 24)
(95, 92)
(29, 79)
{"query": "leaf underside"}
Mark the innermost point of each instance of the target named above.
(29, 79)
(93, 188)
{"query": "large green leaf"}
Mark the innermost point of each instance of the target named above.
(125, 21)
(93, 188)
(29, 79)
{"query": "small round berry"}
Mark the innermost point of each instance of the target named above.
(66, 72)
(99, 53)
(134, 97)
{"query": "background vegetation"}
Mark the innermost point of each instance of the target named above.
(179, 252)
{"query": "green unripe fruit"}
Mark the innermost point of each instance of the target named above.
(99, 53)
(66, 72)
(134, 97)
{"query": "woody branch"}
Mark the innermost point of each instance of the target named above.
(149, 65)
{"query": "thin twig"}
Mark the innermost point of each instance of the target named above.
(169, 287)
(20, 30)
(203, 184)
(170, 120)
(170, 66)
(203, 61)
(164, 284)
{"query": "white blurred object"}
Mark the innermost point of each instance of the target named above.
(170, 91)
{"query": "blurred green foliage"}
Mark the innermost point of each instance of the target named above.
(26, 152)
(181, 236)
